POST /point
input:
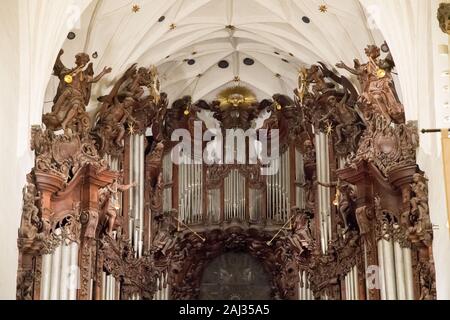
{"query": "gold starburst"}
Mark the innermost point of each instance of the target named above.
(237, 79)
(172, 26)
(131, 129)
(136, 8)
(323, 8)
(329, 128)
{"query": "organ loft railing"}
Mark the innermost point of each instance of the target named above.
(110, 212)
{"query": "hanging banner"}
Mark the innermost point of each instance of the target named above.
(446, 160)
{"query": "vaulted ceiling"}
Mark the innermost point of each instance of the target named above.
(264, 42)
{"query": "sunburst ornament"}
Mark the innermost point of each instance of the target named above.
(131, 129)
(329, 128)
(237, 96)
(172, 26)
(136, 8)
(323, 8)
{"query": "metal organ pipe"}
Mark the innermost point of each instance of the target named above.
(305, 292)
(234, 196)
(351, 284)
(191, 193)
(278, 190)
(395, 262)
(300, 178)
(324, 198)
(59, 278)
(141, 191)
(389, 268)
(137, 174)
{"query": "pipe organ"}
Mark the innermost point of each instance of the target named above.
(168, 182)
(395, 271)
(59, 279)
(300, 200)
(278, 190)
(136, 202)
(323, 199)
(107, 215)
(214, 205)
(234, 202)
(190, 193)
(305, 292)
(351, 284)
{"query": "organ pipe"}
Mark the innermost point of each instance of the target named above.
(396, 280)
(278, 190)
(136, 204)
(191, 193)
(324, 197)
(59, 278)
(234, 196)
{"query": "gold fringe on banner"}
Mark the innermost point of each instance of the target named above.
(446, 159)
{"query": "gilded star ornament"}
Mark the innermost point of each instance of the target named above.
(131, 129)
(323, 8)
(329, 128)
(136, 8)
(172, 26)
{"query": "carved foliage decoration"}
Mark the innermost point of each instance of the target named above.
(388, 147)
(63, 155)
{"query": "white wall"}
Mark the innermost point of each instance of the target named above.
(31, 33)
(10, 186)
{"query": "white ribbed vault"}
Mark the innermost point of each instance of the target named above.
(278, 35)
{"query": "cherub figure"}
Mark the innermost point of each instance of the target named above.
(301, 237)
(109, 202)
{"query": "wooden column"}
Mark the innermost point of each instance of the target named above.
(92, 182)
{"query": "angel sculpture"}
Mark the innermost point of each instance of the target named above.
(73, 95)
(378, 87)
(109, 202)
(301, 237)
(164, 240)
(115, 113)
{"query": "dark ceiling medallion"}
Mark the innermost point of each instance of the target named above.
(191, 62)
(161, 19)
(249, 61)
(223, 64)
(291, 54)
(71, 35)
(277, 53)
(305, 19)
(384, 47)
(284, 60)
(95, 55)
